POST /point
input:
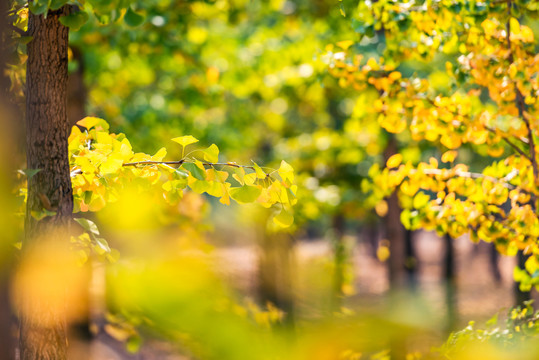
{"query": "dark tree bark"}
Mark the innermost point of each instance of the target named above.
(43, 329)
(493, 258)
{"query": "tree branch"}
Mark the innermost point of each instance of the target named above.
(180, 162)
(19, 31)
(516, 148)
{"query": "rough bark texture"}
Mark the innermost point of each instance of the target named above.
(43, 330)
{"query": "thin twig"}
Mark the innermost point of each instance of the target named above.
(19, 31)
(516, 148)
(180, 162)
(149, 162)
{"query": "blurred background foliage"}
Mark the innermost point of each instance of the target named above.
(252, 77)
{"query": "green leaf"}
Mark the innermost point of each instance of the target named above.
(38, 7)
(88, 225)
(245, 194)
(29, 173)
(101, 247)
(195, 171)
(284, 219)
(56, 4)
(74, 21)
(38, 215)
(211, 154)
(132, 18)
(185, 140)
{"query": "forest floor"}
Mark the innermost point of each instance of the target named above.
(478, 296)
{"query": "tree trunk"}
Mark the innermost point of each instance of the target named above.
(275, 274)
(395, 233)
(43, 328)
(450, 283)
(340, 258)
(521, 296)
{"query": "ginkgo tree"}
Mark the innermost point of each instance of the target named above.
(490, 108)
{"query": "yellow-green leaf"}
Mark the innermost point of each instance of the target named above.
(211, 154)
(159, 155)
(195, 171)
(245, 194)
(394, 161)
(89, 122)
(185, 140)
(259, 172)
(286, 172)
(284, 219)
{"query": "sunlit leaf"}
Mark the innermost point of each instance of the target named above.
(245, 194)
(185, 140)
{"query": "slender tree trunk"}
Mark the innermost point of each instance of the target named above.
(395, 233)
(339, 261)
(411, 260)
(521, 296)
(275, 274)
(43, 327)
(450, 282)
(494, 257)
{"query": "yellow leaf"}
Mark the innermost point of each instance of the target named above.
(373, 64)
(382, 253)
(345, 44)
(449, 156)
(284, 219)
(513, 71)
(88, 122)
(514, 25)
(111, 165)
(394, 161)
(185, 140)
(286, 172)
(159, 155)
(381, 208)
(259, 172)
(249, 179)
